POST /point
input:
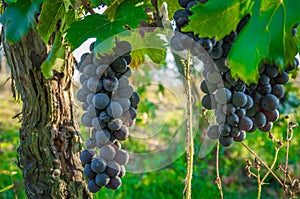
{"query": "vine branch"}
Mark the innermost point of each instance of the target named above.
(218, 178)
(189, 134)
(87, 6)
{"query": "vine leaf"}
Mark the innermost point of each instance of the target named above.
(19, 17)
(272, 26)
(56, 57)
(128, 14)
(217, 18)
(150, 44)
(52, 11)
(10, 1)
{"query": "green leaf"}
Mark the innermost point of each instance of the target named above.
(172, 7)
(56, 57)
(10, 1)
(52, 11)
(217, 18)
(298, 38)
(151, 45)
(101, 27)
(19, 17)
(270, 30)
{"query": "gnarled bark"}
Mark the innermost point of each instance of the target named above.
(50, 142)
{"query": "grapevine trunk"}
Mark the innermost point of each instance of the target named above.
(50, 142)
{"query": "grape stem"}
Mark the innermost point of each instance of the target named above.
(87, 6)
(189, 135)
(218, 179)
(263, 163)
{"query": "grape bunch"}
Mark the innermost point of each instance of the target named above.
(238, 107)
(110, 105)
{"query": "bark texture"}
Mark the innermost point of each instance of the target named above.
(50, 142)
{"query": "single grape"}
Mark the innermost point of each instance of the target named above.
(267, 127)
(114, 110)
(216, 53)
(121, 157)
(271, 116)
(92, 84)
(122, 171)
(123, 48)
(225, 130)
(128, 60)
(125, 103)
(98, 165)
(102, 136)
(122, 133)
(119, 65)
(102, 179)
(245, 123)
(90, 70)
(115, 124)
(260, 119)
(104, 117)
(209, 102)
(269, 102)
(110, 84)
(112, 169)
(223, 95)
(239, 99)
(277, 90)
(132, 113)
(282, 78)
(249, 103)
(107, 152)
(205, 43)
(264, 79)
(125, 92)
(252, 129)
(233, 120)
(114, 183)
(86, 120)
(264, 89)
(220, 118)
(87, 155)
(229, 109)
(101, 101)
(81, 95)
(134, 99)
(184, 3)
(240, 112)
(225, 140)
(88, 172)
(235, 131)
(101, 69)
(92, 110)
(271, 71)
(83, 77)
(241, 137)
(93, 187)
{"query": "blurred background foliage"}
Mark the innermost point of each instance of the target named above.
(160, 117)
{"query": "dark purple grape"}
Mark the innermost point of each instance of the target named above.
(282, 78)
(87, 155)
(245, 123)
(213, 132)
(114, 183)
(102, 179)
(225, 140)
(267, 127)
(93, 187)
(240, 137)
(269, 102)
